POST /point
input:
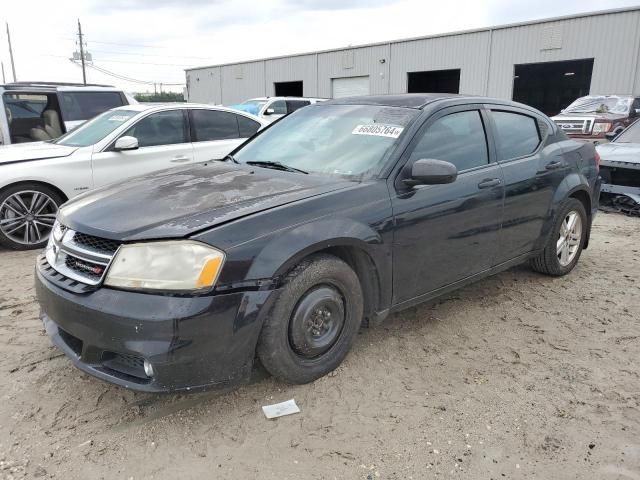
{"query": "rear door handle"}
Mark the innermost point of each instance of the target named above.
(179, 159)
(489, 183)
(556, 164)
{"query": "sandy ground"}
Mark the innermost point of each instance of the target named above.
(518, 376)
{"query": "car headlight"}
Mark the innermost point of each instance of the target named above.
(172, 265)
(601, 127)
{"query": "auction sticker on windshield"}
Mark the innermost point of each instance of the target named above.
(378, 130)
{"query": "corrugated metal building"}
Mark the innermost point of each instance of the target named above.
(545, 63)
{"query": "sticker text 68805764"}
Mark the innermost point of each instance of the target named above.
(378, 130)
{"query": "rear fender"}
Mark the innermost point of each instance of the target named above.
(571, 184)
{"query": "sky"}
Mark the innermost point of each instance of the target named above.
(153, 41)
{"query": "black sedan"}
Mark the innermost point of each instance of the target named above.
(328, 220)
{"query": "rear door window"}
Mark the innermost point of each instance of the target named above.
(246, 126)
(162, 128)
(85, 105)
(210, 125)
(517, 135)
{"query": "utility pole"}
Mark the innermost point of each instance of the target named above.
(84, 73)
(3, 79)
(13, 67)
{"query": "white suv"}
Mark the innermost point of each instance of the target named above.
(270, 109)
(31, 112)
(36, 178)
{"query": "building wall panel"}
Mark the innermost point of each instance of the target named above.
(468, 52)
(486, 59)
(611, 40)
(354, 62)
(292, 69)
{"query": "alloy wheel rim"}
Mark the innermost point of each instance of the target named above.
(27, 217)
(317, 322)
(569, 238)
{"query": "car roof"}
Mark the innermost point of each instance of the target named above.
(51, 87)
(419, 100)
(144, 107)
(264, 99)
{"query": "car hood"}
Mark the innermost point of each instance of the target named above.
(619, 152)
(179, 203)
(21, 152)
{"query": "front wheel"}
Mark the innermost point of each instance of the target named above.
(565, 244)
(313, 322)
(27, 214)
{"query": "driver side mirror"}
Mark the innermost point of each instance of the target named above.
(126, 143)
(431, 172)
(269, 111)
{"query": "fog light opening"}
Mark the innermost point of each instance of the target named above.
(148, 369)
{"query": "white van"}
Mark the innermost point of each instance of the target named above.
(32, 112)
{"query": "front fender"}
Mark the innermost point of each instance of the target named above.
(269, 258)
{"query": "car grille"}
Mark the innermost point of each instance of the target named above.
(80, 257)
(580, 126)
(99, 245)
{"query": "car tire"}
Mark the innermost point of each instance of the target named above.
(566, 241)
(313, 322)
(38, 205)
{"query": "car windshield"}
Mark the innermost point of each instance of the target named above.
(599, 104)
(95, 130)
(345, 140)
(630, 135)
(250, 106)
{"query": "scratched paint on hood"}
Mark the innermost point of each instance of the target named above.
(175, 203)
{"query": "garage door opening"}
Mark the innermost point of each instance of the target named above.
(288, 89)
(349, 87)
(435, 81)
(551, 86)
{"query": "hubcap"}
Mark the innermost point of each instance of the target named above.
(569, 238)
(27, 217)
(317, 321)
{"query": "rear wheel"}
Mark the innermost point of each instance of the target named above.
(27, 214)
(563, 249)
(313, 322)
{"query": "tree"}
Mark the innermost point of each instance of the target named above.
(159, 97)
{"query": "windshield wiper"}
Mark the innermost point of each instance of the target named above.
(276, 166)
(230, 158)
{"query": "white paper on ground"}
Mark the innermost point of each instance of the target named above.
(281, 409)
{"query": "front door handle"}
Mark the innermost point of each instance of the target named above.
(489, 183)
(556, 164)
(179, 159)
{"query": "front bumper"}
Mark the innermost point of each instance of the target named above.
(192, 343)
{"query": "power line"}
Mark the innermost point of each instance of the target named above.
(120, 44)
(151, 63)
(152, 55)
(125, 61)
(129, 79)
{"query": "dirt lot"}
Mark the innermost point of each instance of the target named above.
(519, 376)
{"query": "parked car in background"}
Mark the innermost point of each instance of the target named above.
(594, 116)
(32, 112)
(620, 165)
(36, 178)
(272, 108)
(335, 216)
